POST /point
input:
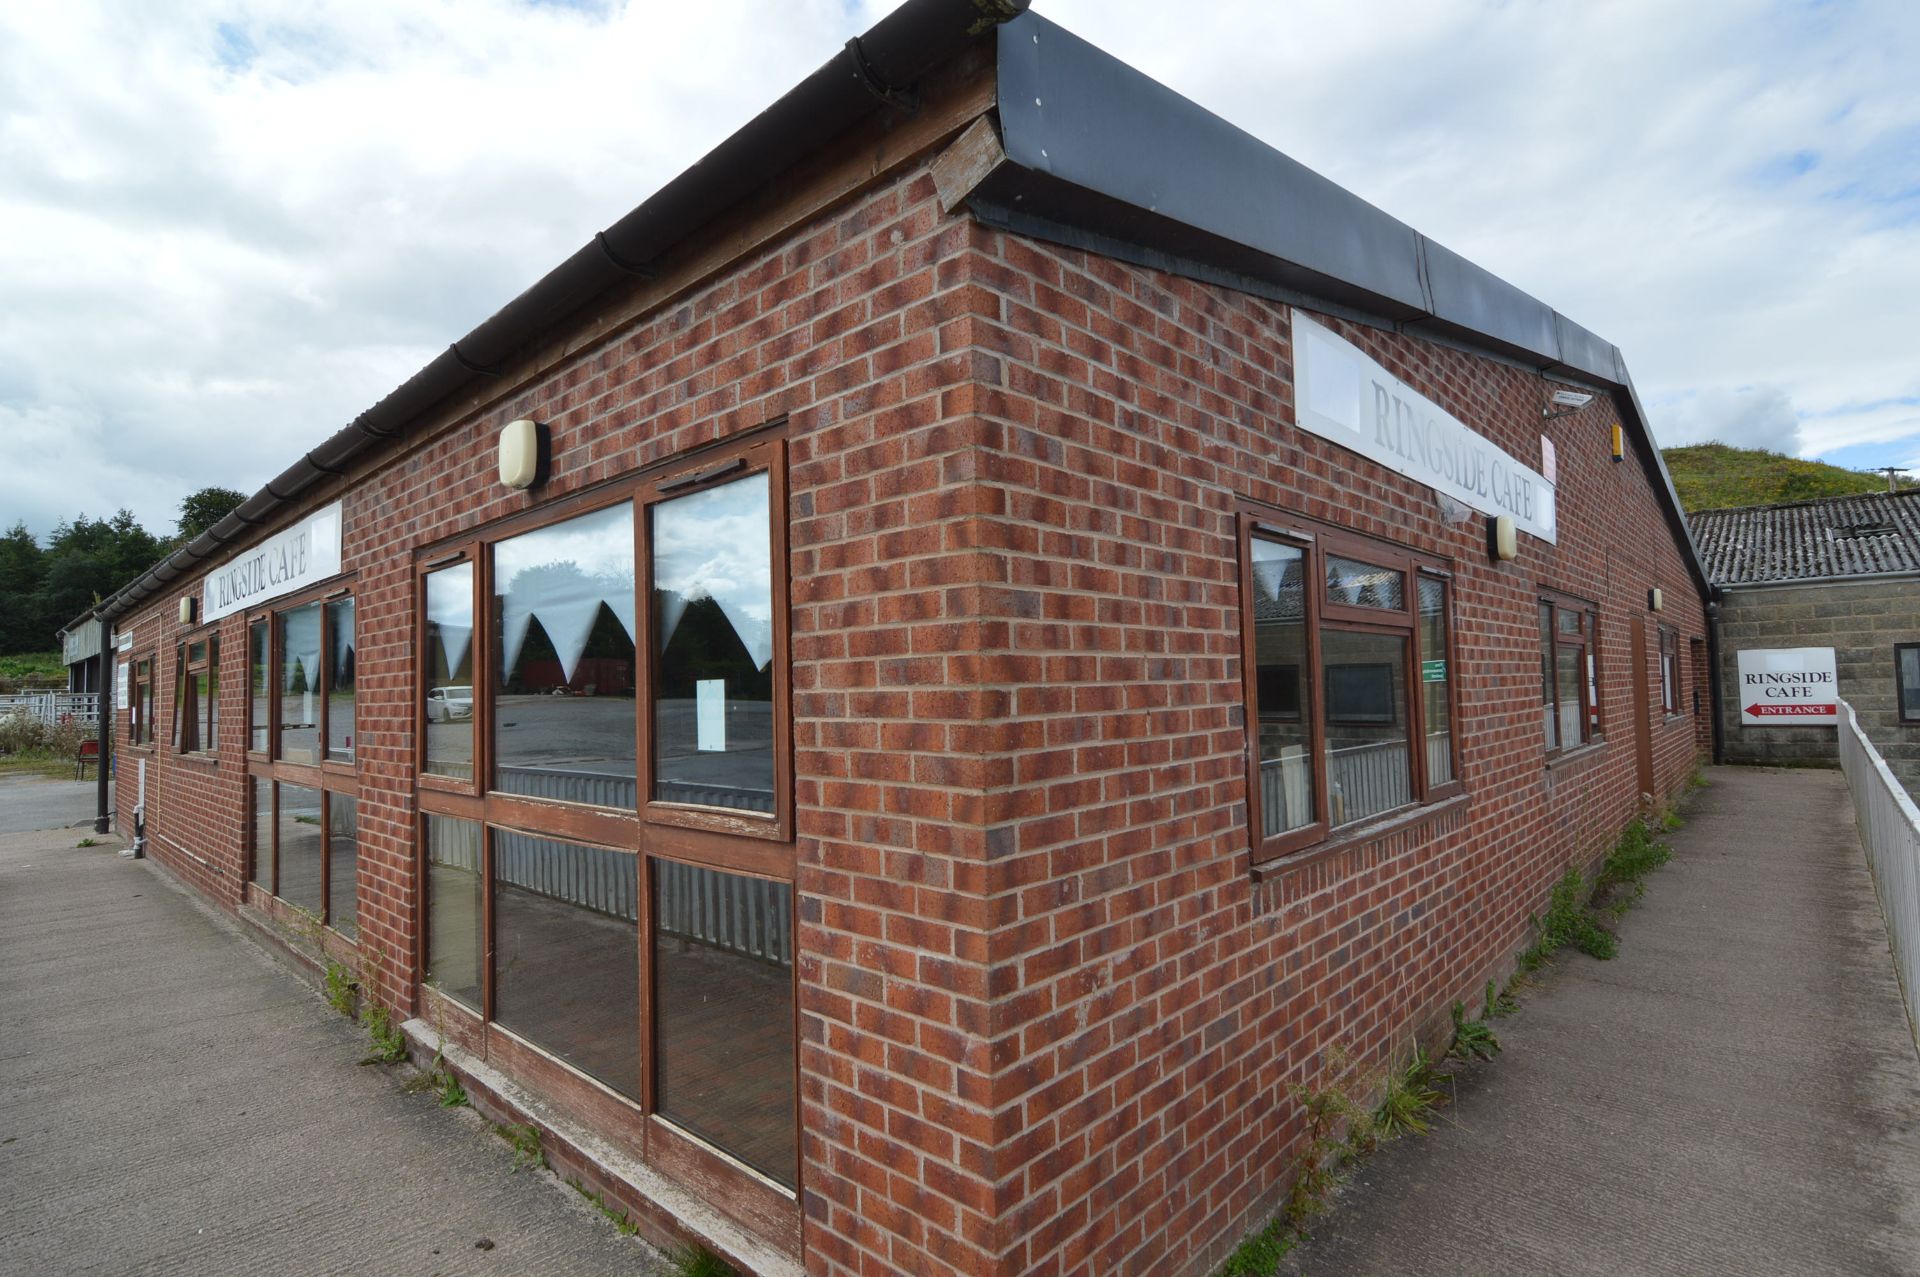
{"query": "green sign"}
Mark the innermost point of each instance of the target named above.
(1433, 671)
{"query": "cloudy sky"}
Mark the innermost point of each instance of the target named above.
(228, 226)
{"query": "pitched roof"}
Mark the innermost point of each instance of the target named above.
(1806, 540)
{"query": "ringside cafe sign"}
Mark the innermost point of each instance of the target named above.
(308, 551)
(1344, 396)
(1789, 687)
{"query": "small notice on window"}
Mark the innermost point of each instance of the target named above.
(120, 698)
(1433, 671)
(710, 714)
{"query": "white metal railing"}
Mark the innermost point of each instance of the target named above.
(1363, 780)
(52, 708)
(1890, 827)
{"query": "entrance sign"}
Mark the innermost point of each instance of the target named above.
(1789, 687)
(1344, 396)
(308, 551)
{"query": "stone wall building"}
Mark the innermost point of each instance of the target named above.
(900, 700)
(1844, 573)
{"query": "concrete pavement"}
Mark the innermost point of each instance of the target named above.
(174, 1101)
(1737, 1092)
(35, 802)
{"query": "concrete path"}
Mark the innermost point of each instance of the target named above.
(35, 802)
(1737, 1092)
(174, 1101)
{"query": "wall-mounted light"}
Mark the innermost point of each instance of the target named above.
(1655, 599)
(1619, 443)
(187, 609)
(1564, 403)
(1503, 542)
(523, 453)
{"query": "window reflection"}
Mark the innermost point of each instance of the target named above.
(259, 685)
(340, 680)
(1281, 694)
(343, 864)
(454, 917)
(1434, 677)
(723, 996)
(563, 616)
(566, 972)
(1366, 707)
(1358, 584)
(263, 824)
(449, 675)
(300, 677)
(713, 628)
(300, 847)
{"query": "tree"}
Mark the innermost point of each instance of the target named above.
(22, 567)
(201, 510)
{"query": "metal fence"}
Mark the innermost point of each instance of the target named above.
(52, 708)
(1890, 827)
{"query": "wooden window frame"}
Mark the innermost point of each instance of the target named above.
(1587, 643)
(196, 711)
(1899, 697)
(326, 776)
(1669, 671)
(741, 843)
(139, 708)
(1318, 541)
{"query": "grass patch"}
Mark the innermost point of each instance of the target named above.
(38, 762)
(698, 1261)
(38, 667)
(1412, 1094)
(525, 1139)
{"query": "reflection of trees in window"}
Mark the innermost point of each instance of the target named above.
(705, 645)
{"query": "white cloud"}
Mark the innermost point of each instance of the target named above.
(228, 226)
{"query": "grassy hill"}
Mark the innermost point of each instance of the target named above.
(1713, 476)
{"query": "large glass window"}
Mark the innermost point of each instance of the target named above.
(566, 965)
(1669, 670)
(301, 677)
(1282, 696)
(1340, 632)
(712, 578)
(631, 717)
(263, 826)
(563, 625)
(340, 680)
(302, 848)
(1570, 711)
(259, 685)
(455, 922)
(1906, 672)
(449, 673)
(723, 973)
(343, 863)
(140, 725)
(196, 697)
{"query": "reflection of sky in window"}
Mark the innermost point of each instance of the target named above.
(562, 575)
(714, 544)
(450, 611)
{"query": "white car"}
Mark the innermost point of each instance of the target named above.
(446, 703)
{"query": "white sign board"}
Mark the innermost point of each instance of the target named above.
(1788, 687)
(1342, 395)
(307, 552)
(121, 699)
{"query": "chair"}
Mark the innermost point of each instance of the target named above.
(89, 752)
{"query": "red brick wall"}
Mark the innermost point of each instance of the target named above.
(1047, 1017)
(1153, 1002)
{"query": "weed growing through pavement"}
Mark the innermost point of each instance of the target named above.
(698, 1261)
(341, 987)
(1412, 1094)
(525, 1139)
(1472, 1039)
(620, 1218)
(1501, 1003)
(88, 842)
(388, 1041)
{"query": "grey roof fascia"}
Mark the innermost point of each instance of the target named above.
(1795, 582)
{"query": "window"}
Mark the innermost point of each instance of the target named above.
(1348, 666)
(196, 696)
(1906, 674)
(1570, 714)
(140, 698)
(605, 790)
(301, 676)
(1669, 671)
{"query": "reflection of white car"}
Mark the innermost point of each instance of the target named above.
(444, 703)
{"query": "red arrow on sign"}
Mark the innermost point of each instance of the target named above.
(1793, 711)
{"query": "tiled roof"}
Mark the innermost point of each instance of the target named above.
(1836, 536)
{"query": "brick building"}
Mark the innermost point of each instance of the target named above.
(1031, 619)
(1841, 572)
